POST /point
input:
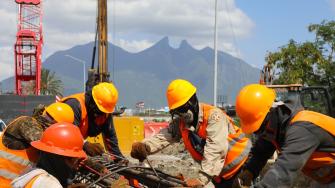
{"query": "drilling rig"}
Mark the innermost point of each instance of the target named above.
(28, 47)
(100, 74)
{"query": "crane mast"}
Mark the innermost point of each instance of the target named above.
(102, 41)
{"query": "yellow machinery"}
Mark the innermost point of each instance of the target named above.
(128, 129)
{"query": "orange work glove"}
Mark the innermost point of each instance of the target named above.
(140, 151)
(93, 149)
(194, 183)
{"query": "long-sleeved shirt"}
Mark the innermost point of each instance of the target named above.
(216, 146)
(296, 142)
(107, 128)
(21, 131)
(43, 179)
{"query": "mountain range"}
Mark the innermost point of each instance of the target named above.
(144, 76)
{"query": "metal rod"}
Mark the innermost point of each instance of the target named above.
(152, 167)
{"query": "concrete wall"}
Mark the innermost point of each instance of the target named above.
(12, 106)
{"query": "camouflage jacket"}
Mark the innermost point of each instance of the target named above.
(23, 130)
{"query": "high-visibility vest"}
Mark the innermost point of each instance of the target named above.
(238, 145)
(14, 162)
(83, 126)
(321, 165)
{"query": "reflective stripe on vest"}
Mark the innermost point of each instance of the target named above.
(241, 158)
(238, 145)
(8, 175)
(13, 162)
(14, 158)
(321, 165)
(84, 119)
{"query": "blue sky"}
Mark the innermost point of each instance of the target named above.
(278, 21)
(247, 29)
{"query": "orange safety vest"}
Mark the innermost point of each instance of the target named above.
(321, 165)
(238, 145)
(14, 162)
(83, 126)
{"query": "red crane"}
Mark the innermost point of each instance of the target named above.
(28, 47)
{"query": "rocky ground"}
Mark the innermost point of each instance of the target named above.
(174, 160)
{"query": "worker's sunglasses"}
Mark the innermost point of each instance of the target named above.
(180, 110)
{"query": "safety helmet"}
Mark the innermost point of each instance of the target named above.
(105, 96)
(62, 139)
(60, 112)
(179, 92)
(252, 105)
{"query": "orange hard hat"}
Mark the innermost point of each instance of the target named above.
(105, 96)
(252, 105)
(179, 92)
(60, 112)
(62, 139)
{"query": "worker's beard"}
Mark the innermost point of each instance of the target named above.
(56, 166)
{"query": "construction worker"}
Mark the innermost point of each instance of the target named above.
(16, 154)
(207, 132)
(93, 114)
(61, 148)
(305, 140)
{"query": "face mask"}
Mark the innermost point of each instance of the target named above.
(188, 117)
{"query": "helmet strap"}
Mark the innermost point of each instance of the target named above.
(194, 107)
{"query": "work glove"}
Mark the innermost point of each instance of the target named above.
(194, 183)
(120, 183)
(78, 185)
(243, 179)
(140, 151)
(93, 149)
(95, 165)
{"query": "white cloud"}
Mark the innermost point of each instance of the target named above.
(7, 64)
(133, 24)
(61, 40)
(133, 45)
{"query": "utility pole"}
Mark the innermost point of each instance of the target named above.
(215, 53)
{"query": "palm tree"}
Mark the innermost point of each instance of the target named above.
(50, 84)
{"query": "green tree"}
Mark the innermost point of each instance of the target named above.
(50, 84)
(325, 42)
(308, 63)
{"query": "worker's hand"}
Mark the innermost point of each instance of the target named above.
(194, 183)
(78, 185)
(121, 182)
(243, 179)
(93, 149)
(95, 165)
(140, 151)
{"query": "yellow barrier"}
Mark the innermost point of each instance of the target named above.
(128, 130)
